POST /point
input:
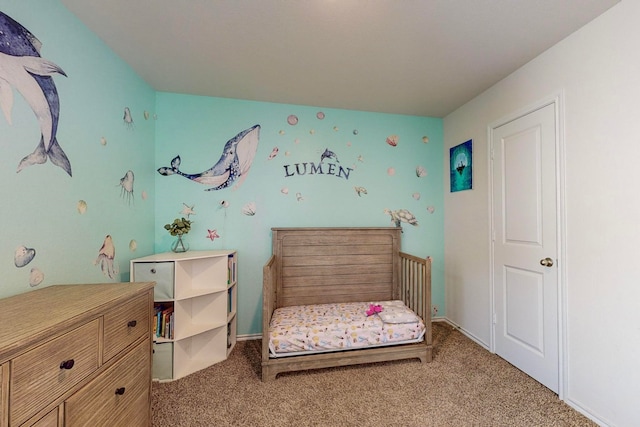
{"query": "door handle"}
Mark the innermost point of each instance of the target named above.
(547, 262)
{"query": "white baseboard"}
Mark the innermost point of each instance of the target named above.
(464, 332)
(249, 337)
(586, 412)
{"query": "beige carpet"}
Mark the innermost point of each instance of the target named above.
(465, 385)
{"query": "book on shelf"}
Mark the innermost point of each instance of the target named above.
(163, 320)
(231, 269)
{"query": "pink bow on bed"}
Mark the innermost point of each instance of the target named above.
(373, 309)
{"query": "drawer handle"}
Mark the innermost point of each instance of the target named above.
(120, 391)
(132, 323)
(67, 364)
(153, 271)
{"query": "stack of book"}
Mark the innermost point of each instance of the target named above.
(163, 321)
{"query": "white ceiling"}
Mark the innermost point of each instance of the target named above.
(416, 57)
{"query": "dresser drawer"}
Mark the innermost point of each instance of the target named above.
(49, 420)
(4, 394)
(160, 272)
(126, 323)
(118, 397)
(38, 376)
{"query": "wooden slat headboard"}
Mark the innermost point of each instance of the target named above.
(329, 265)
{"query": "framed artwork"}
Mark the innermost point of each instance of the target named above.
(461, 166)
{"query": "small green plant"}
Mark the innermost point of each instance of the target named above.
(178, 227)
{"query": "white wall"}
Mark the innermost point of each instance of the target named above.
(598, 70)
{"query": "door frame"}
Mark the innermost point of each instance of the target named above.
(557, 100)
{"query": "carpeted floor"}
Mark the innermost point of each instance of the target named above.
(465, 385)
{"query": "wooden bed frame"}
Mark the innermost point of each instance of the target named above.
(333, 265)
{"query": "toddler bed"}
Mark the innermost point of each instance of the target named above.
(343, 296)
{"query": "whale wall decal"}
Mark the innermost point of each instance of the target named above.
(232, 167)
(22, 68)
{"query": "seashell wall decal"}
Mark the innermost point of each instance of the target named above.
(35, 277)
(249, 209)
(23, 256)
(393, 140)
(81, 206)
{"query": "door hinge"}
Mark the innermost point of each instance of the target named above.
(495, 318)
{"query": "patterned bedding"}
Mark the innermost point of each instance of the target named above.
(318, 328)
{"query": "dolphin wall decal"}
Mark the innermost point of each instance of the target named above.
(22, 68)
(237, 157)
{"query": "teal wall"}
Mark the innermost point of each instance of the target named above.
(39, 208)
(197, 128)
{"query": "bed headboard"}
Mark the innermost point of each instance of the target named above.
(328, 265)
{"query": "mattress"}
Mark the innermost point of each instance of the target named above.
(319, 328)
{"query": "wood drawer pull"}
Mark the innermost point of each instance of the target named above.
(120, 391)
(132, 323)
(67, 364)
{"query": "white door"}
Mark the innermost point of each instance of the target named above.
(525, 272)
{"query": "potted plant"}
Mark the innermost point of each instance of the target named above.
(179, 227)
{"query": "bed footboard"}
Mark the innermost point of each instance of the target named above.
(415, 290)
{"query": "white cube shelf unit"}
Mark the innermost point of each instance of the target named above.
(195, 297)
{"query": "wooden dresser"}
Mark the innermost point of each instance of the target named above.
(77, 355)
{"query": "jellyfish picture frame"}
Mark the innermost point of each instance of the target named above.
(461, 166)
